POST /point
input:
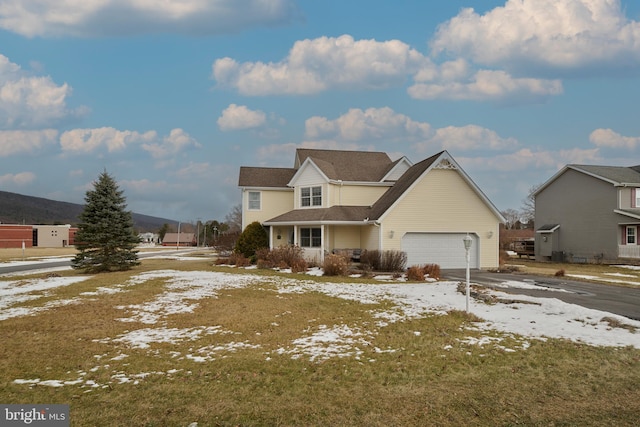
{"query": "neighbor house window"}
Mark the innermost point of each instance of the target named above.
(311, 196)
(310, 237)
(631, 235)
(636, 198)
(254, 200)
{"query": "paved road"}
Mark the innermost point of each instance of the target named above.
(66, 263)
(620, 300)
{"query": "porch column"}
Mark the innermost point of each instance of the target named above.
(271, 238)
(322, 242)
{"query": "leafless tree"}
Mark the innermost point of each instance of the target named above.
(234, 219)
(512, 216)
(528, 211)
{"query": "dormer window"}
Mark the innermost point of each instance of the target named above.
(311, 196)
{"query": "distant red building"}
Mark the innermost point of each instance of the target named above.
(13, 236)
(45, 236)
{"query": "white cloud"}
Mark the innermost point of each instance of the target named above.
(33, 18)
(470, 137)
(28, 101)
(324, 63)
(528, 159)
(237, 117)
(178, 140)
(90, 140)
(22, 178)
(551, 34)
(488, 85)
(26, 141)
(607, 138)
(366, 125)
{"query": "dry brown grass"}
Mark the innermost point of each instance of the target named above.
(430, 378)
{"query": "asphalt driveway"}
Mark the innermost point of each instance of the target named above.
(612, 298)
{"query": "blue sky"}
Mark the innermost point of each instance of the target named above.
(172, 97)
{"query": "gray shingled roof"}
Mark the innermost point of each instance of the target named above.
(332, 214)
(365, 166)
(617, 174)
(265, 177)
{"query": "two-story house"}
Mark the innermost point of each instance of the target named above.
(335, 200)
(589, 214)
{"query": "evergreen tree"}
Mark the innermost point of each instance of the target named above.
(253, 237)
(105, 238)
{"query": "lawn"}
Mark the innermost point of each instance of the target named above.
(176, 342)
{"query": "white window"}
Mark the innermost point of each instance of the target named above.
(254, 200)
(631, 235)
(310, 237)
(636, 195)
(311, 196)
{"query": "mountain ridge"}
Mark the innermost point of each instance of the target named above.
(22, 209)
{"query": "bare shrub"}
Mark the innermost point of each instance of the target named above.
(393, 261)
(298, 265)
(262, 253)
(239, 260)
(286, 255)
(370, 260)
(415, 273)
(264, 264)
(432, 270)
(335, 265)
(560, 273)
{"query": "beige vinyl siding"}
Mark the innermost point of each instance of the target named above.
(354, 195)
(272, 204)
(343, 237)
(443, 202)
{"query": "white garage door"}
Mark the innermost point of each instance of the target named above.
(445, 249)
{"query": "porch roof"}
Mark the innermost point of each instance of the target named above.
(548, 228)
(630, 213)
(353, 214)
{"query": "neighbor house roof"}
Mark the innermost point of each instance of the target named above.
(615, 175)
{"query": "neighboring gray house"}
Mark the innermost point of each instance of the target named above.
(589, 214)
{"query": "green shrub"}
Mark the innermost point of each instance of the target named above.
(253, 237)
(335, 265)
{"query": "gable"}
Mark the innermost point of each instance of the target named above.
(308, 174)
(417, 173)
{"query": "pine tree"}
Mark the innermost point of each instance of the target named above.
(105, 238)
(252, 238)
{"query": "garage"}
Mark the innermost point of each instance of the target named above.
(445, 249)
